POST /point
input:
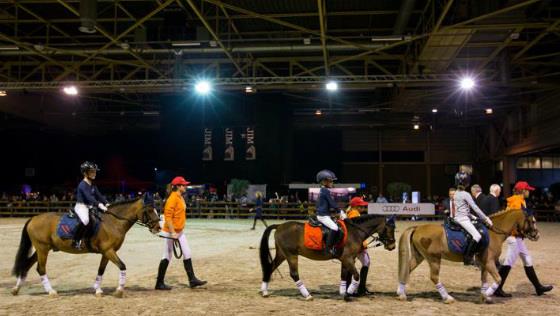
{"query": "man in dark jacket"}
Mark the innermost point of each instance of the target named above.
(479, 198)
(492, 200)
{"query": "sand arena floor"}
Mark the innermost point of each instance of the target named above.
(225, 252)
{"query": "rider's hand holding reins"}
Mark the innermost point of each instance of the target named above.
(489, 222)
(102, 207)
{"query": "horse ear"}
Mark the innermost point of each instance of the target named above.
(148, 198)
(391, 220)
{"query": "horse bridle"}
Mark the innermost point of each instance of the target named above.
(143, 222)
(379, 236)
(520, 231)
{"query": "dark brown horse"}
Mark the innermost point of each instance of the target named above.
(429, 242)
(41, 233)
(289, 245)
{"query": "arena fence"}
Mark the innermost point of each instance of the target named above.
(219, 209)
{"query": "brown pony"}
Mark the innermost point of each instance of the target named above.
(430, 242)
(40, 232)
(289, 245)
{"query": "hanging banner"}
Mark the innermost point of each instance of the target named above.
(250, 149)
(229, 154)
(207, 152)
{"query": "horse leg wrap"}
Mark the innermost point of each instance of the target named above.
(401, 289)
(442, 291)
(483, 288)
(97, 284)
(46, 283)
(342, 288)
(490, 291)
(122, 279)
(353, 286)
(264, 286)
(19, 282)
(302, 289)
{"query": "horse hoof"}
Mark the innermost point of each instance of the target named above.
(99, 293)
(309, 298)
(488, 300)
(265, 294)
(119, 293)
(348, 298)
(402, 297)
(53, 293)
(449, 300)
(15, 291)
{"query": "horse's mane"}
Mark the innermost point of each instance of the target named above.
(125, 202)
(503, 212)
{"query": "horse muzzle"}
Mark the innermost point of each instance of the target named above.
(391, 246)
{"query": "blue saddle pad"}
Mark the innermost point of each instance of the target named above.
(457, 240)
(68, 224)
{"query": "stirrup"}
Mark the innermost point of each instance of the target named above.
(77, 244)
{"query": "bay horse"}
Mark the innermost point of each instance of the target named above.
(40, 232)
(289, 240)
(429, 242)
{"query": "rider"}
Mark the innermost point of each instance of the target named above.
(515, 246)
(325, 204)
(461, 213)
(357, 207)
(175, 214)
(87, 196)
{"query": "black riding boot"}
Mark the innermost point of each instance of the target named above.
(254, 223)
(78, 236)
(504, 271)
(160, 284)
(468, 257)
(539, 288)
(193, 281)
(329, 247)
(362, 289)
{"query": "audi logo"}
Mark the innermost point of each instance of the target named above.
(391, 209)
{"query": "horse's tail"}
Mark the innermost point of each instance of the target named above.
(406, 254)
(23, 261)
(266, 257)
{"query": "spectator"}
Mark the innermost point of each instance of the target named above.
(492, 200)
(448, 203)
(479, 197)
(381, 199)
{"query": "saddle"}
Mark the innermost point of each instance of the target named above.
(458, 237)
(315, 234)
(68, 224)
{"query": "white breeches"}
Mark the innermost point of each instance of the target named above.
(466, 223)
(83, 212)
(168, 247)
(515, 247)
(327, 221)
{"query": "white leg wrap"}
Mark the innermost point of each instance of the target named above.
(442, 291)
(264, 286)
(483, 288)
(302, 289)
(46, 283)
(19, 282)
(401, 289)
(97, 284)
(490, 291)
(342, 288)
(122, 279)
(353, 286)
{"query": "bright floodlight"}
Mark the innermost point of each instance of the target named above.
(70, 90)
(434, 110)
(467, 83)
(203, 87)
(489, 111)
(416, 126)
(332, 86)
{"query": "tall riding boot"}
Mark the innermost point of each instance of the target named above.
(193, 281)
(504, 271)
(160, 284)
(468, 257)
(329, 247)
(254, 223)
(362, 289)
(539, 288)
(78, 235)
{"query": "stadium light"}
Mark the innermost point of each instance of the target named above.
(416, 126)
(70, 90)
(3, 93)
(203, 87)
(434, 110)
(318, 112)
(489, 111)
(467, 83)
(331, 86)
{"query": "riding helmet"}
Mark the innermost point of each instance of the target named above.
(325, 174)
(86, 166)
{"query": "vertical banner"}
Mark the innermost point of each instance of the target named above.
(229, 154)
(207, 152)
(250, 149)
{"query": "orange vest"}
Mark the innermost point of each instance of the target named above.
(516, 202)
(174, 212)
(355, 213)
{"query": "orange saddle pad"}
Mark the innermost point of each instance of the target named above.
(313, 237)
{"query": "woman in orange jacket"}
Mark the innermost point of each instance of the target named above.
(174, 223)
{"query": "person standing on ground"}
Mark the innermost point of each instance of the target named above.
(258, 209)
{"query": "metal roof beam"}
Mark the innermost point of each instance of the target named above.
(536, 40)
(323, 26)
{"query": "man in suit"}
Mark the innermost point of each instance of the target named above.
(448, 203)
(479, 198)
(492, 200)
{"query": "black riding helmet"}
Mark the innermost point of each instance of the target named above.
(87, 166)
(325, 174)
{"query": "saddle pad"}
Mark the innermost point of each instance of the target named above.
(457, 240)
(68, 224)
(313, 237)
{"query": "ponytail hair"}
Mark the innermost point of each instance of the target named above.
(170, 188)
